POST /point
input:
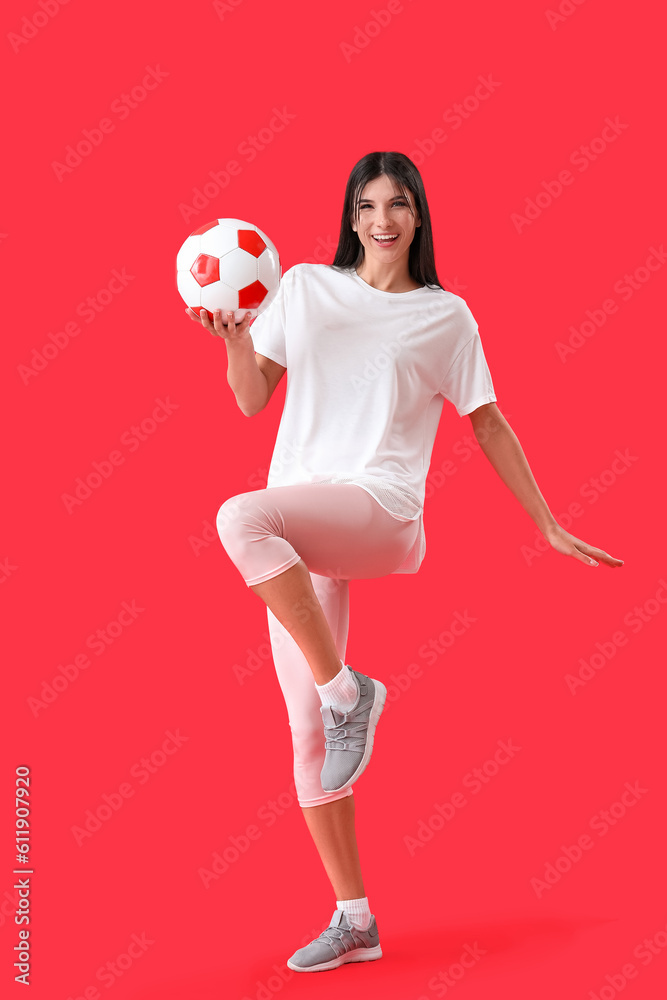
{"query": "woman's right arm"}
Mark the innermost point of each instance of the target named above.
(252, 377)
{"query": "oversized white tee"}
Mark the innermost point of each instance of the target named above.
(368, 372)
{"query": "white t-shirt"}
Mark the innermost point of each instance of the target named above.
(367, 375)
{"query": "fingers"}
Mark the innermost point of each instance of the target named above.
(223, 325)
(245, 322)
(228, 321)
(582, 557)
(569, 545)
(203, 318)
(589, 554)
(606, 558)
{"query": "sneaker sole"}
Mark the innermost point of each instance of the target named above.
(376, 711)
(358, 955)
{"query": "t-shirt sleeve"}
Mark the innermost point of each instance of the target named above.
(268, 329)
(468, 382)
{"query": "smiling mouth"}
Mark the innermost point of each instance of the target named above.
(384, 240)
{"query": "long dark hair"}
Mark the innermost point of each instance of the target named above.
(401, 169)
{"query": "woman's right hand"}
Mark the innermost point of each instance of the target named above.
(223, 324)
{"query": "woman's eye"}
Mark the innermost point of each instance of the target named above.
(397, 202)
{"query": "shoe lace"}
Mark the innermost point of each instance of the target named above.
(335, 937)
(347, 735)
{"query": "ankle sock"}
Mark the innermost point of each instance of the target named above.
(341, 692)
(357, 910)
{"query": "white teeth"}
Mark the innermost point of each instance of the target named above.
(385, 239)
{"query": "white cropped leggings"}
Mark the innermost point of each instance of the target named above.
(342, 533)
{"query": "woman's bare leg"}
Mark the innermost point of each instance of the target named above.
(291, 598)
(332, 828)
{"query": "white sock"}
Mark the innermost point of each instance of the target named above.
(357, 910)
(342, 692)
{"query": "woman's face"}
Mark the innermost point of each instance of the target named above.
(383, 210)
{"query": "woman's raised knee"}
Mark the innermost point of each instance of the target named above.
(231, 511)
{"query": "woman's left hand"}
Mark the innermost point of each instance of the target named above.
(562, 541)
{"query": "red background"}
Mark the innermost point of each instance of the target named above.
(65, 575)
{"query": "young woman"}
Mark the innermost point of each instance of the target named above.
(373, 345)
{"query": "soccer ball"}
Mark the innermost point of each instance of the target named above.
(228, 264)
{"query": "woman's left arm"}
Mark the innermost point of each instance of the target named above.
(503, 450)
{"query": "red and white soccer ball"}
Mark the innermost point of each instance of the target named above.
(228, 264)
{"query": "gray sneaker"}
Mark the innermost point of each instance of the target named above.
(348, 736)
(337, 944)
